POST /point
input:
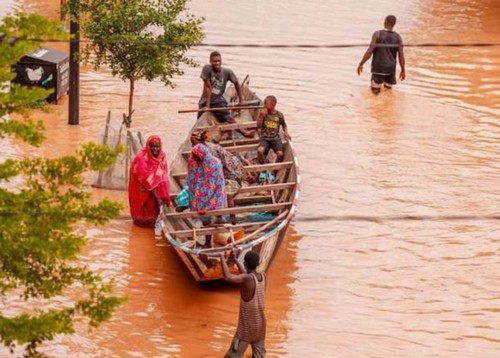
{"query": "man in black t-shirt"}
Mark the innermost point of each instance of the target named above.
(385, 46)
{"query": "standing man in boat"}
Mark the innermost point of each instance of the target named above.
(385, 46)
(215, 78)
(252, 320)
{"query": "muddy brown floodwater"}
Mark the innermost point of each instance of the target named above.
(355, 277)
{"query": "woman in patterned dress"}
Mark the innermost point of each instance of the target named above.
(231, 166)
(205, 183)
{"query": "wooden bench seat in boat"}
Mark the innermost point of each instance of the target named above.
(232, 126)
(250, 168)
(217, 230)
(229, 211)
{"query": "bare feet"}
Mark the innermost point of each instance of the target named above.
(249, 134)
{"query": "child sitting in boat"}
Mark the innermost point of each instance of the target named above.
(269, 122)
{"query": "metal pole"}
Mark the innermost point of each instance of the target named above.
(74, 74)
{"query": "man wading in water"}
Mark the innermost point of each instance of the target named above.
(386, 45)
(252, 320)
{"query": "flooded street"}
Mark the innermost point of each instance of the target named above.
(395, 250)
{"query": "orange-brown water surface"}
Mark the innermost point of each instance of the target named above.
(395, 250)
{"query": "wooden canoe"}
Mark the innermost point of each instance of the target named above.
(263, 210)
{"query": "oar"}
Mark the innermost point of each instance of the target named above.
(235, 96)
(214, 109)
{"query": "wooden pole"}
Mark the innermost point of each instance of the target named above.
(214, 109)
(104, 142)
(74, 74)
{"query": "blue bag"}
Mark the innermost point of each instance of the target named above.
(183, 198)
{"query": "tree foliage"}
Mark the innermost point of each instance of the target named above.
(138, 39)
(39, 247)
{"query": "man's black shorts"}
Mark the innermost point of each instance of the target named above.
(274, 144)
(378, 80)
(223, 116)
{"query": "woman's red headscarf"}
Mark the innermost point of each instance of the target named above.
(148, 173)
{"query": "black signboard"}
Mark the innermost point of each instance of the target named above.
(47, 68)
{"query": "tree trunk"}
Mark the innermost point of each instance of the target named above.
(130, 101)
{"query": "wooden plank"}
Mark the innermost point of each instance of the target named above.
(242, 141)
(250, 168)
(229, 211)
(241, 200)
(216, 230)
(267, 166)
(242, 148)
(232, 126)
(190, 263)
(104, 142)
(215, 109)
(245, 200)
(232, 149)
(257, 188)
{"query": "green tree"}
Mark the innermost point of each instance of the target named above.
(39, 246)
(137, 39)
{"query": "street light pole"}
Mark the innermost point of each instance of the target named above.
(74, 74)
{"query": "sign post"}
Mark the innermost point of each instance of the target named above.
(74, 74)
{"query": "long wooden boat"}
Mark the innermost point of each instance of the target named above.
(263, 210)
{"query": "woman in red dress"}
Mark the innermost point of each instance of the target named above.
(148, 184)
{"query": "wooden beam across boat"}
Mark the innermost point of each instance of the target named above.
(243, 200)
(258, 188)
(251, 168)
(217, 230)
(232, 126)
(242, 141)
(254, 104)
(233, 149)
(229, 211)
(267, 166)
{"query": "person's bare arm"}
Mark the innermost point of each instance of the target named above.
(159, 201)
(239, 91)
(368, 52)
(285, 129)
(241, 267)
(207, 88)
(260, 117)
(401, 58)
(228, 276)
